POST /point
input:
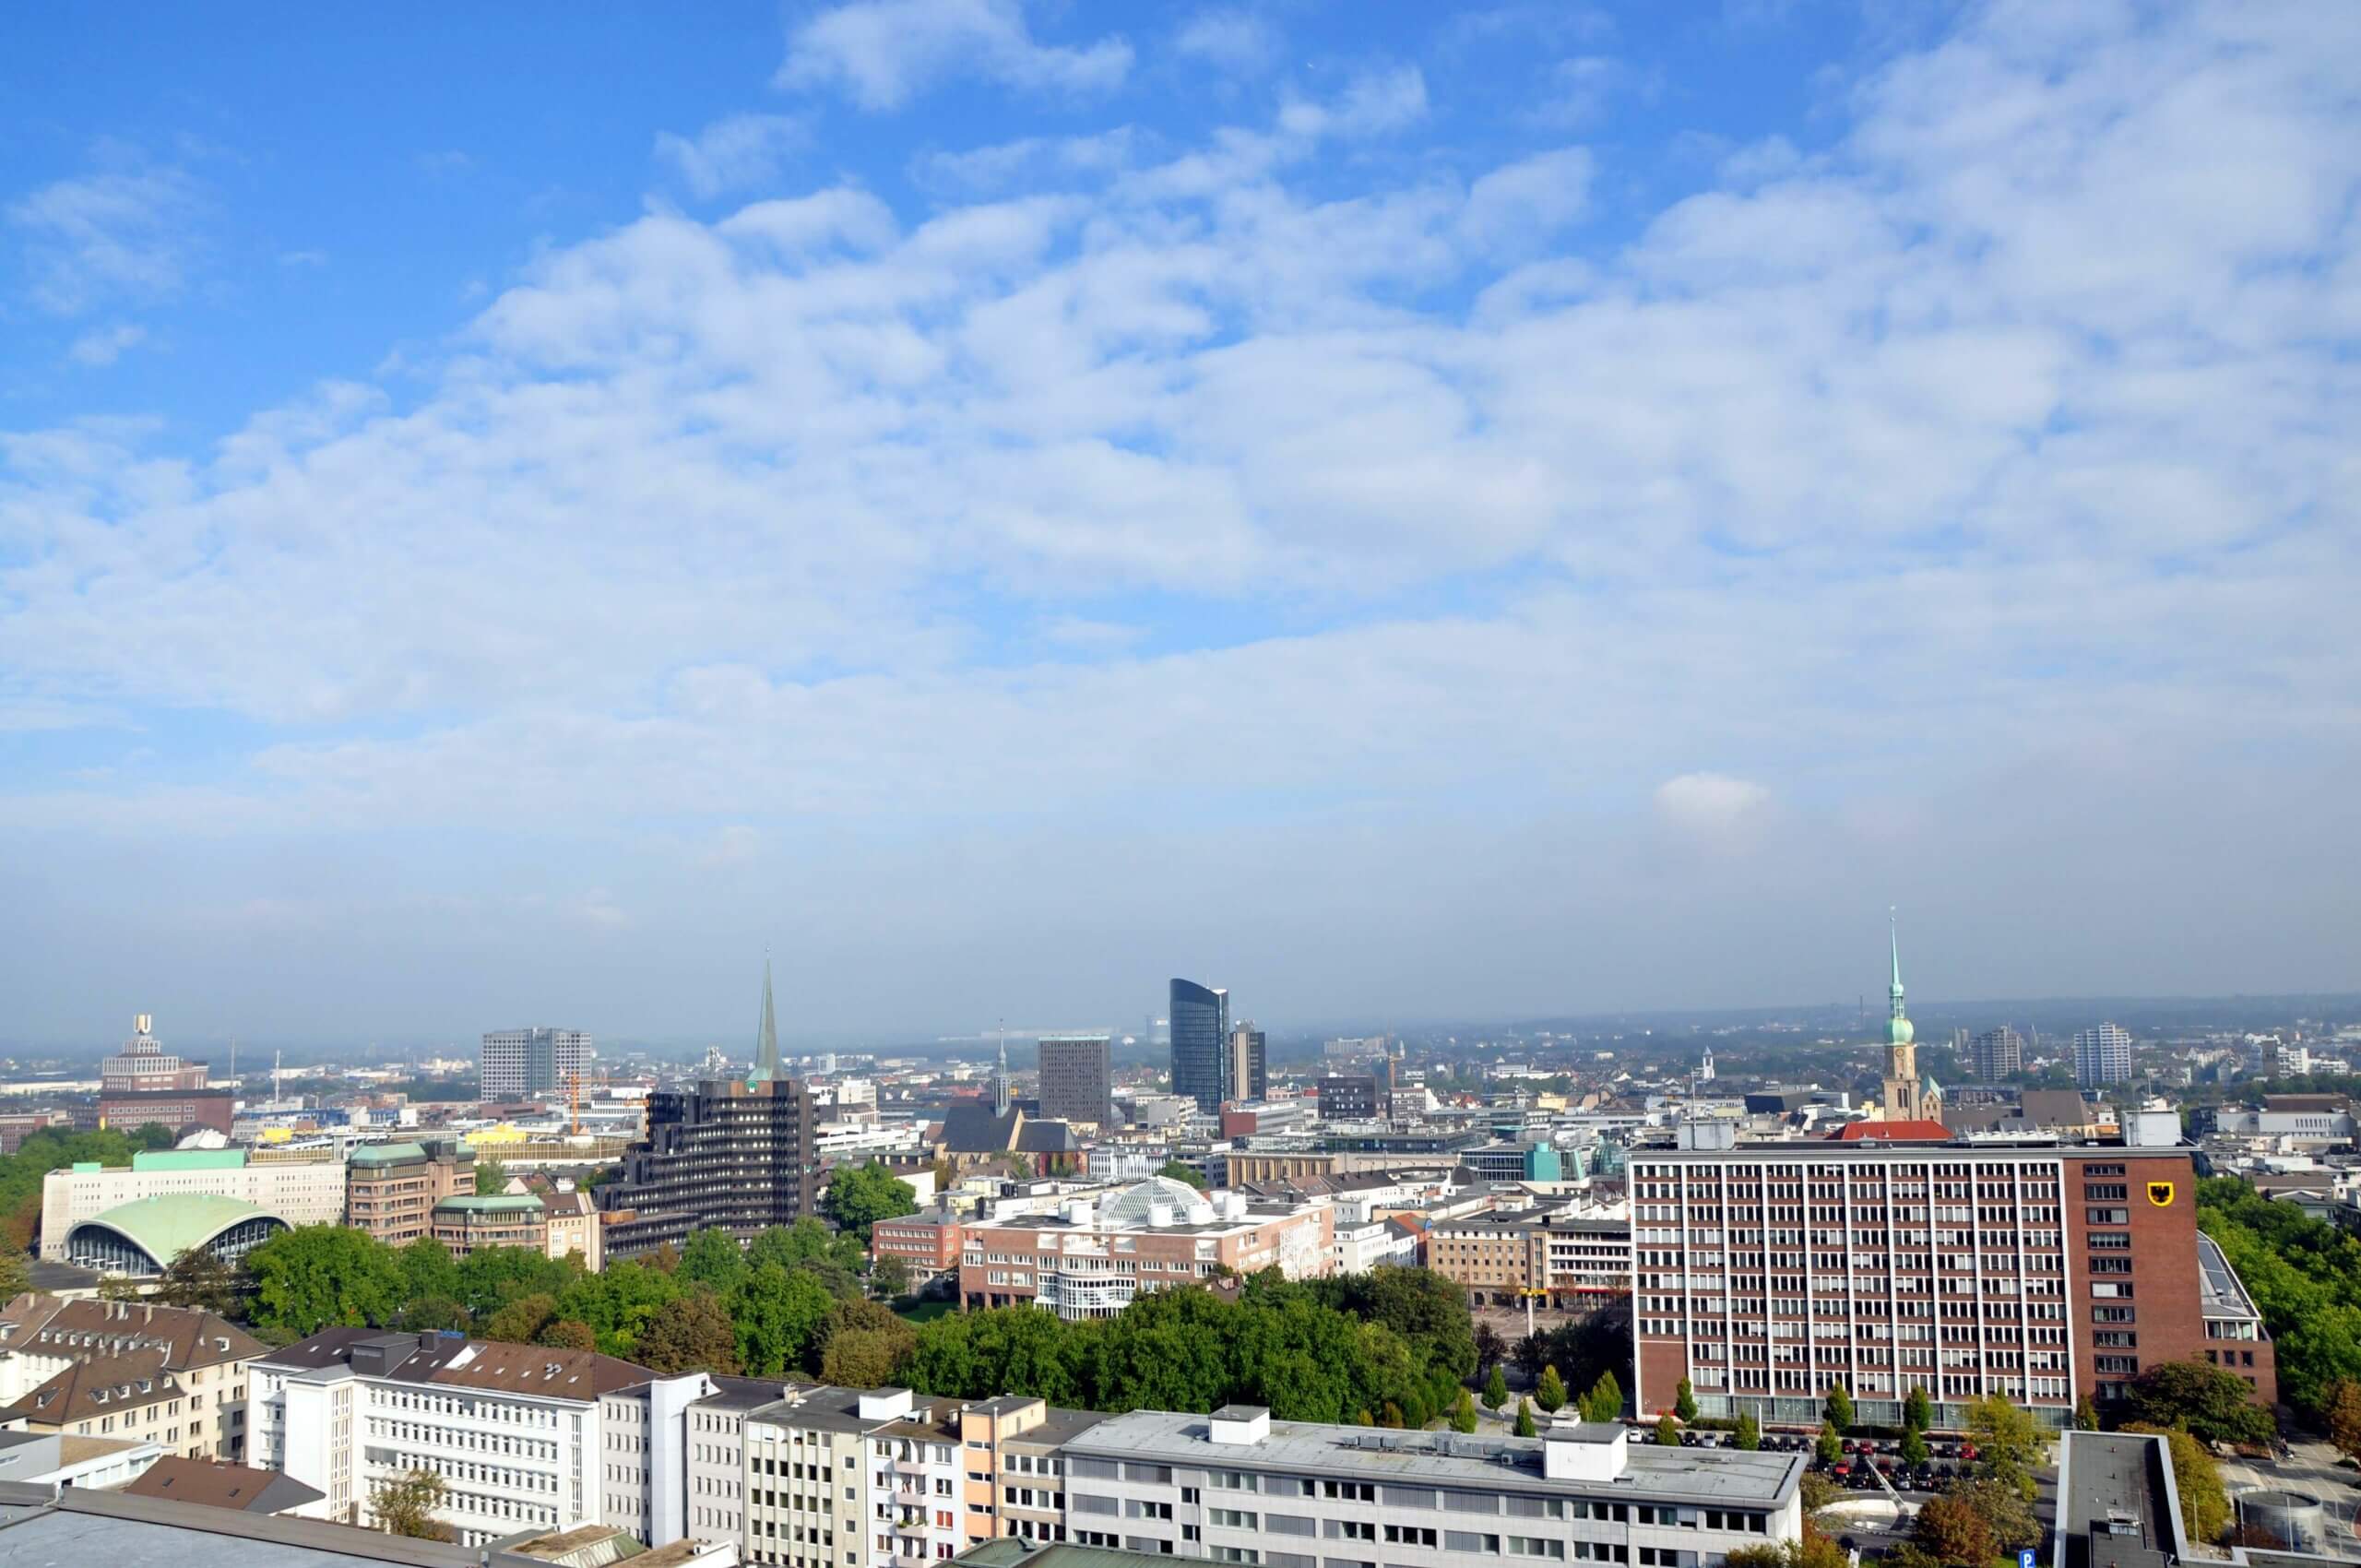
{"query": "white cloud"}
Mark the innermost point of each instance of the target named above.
(121, 233)
(734, 153)
(884, 53)
(1526, 203)
(104, 345)
(1710, 803)
(1232, 40)
(1372, 104)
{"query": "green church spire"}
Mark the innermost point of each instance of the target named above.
(1897, 1030)
(767, 1041)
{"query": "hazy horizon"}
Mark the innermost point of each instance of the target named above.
(1483, 511)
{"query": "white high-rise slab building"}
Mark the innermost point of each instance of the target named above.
(522, 1063)
(2102, 1056)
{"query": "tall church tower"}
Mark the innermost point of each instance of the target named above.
(1905, 1097)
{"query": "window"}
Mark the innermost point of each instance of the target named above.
(1533, 1546)
(2110, 1266)
(1409, 1535)
(2107, 1215)
(2106, 1192)
(1469, 1541)
(1232, 1519)
(1348, 1529)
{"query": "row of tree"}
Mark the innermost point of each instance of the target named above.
(51, 1150)
(2304, 1276)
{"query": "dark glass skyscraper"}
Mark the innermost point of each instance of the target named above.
(1200, 1032)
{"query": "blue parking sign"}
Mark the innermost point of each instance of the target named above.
(2025, 1557)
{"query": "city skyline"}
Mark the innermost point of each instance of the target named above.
(1541, 509)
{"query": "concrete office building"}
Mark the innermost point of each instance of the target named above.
(1200, 1032)
(842, 1477)
(520, 1063)
(514, 1430)
(2102, 1056)
(1999, 1053)
(390, 1189)
(1239, 1487)
(1764, 1273)
(1247, 1074)
(309, 1193)
(726, 1155)
(1350, 1097)
(1501, 1257)
(1079, 1078)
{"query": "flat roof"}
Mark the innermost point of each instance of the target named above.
(2114, 1509)
(1713, 1477)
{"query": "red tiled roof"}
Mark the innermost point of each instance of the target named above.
(1920, 1131)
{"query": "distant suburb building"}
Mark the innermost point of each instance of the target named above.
(727, 1154)
(304, 1194)
(2102, 1056)
(390, 1189)
(1999, 1053)
(521, 1063)
(1090, 1259)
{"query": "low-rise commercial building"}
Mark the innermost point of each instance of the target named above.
(1239, 1487)
(1091, 1259)
(927, 1243)
(495, 1219)
(1503, 1257)
(298, 1195)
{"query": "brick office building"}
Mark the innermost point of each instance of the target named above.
(2044, 1272)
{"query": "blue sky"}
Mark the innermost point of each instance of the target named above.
(1407, 510)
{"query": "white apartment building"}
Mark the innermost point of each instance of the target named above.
(2102, 1056)
(517, 1432)
(520, 1063)
(299, 1193)
(807, 1488)
(1364, 1241)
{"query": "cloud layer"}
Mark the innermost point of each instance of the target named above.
(1162, 505)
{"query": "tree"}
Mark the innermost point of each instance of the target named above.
(1954, 1534)
(520, 1322)
(1750, 1433)
(317, 1275)
(1818, 1492)
(1604, 1400)
(1550, 1392)
(1462, 1415)
(889, 1277)
(1525, 1427)
(1532, 1353)
(429, 1269)
(406, 1506)
(1914, 1446)
(2087, 1415)
(2005, 1510)
(1684, 1401)
(2008, 1440)
(861, 1196)
(713, 1258)
(15, 1274)
(1668, 1432)
(690, 1333)
(1828, 1446)
(2217, 1406)
(1490, 1348)
(432, 1315)
(197, 1278)
(2204, 1503)
(863, 1358)
(565, 1334)
(2344, 1412)
(1918, 1411)
(119, 1287)
(779, 1316)
(1839, 1408)
(1496, 1391)
(491, 1176)
(1174, 1170)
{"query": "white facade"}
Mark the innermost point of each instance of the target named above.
(1364, 1242)
(511, 1459)
(2102, 1056)
(301, 1193)
(522, 1063)
(916, 1496)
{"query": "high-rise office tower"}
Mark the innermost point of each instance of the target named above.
(1079, 1078)
(1246, 1077)
(1999, 1053)
(2102, 1056)
(1199, 1028)
(518, 1063)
